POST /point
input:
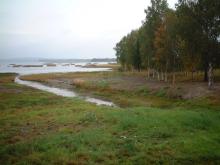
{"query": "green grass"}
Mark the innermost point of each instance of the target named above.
(40, 128)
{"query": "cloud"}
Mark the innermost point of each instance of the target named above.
(67, 28)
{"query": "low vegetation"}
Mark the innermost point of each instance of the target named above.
(128, 89)
(36, 128)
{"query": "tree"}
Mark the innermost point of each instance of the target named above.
(121, 51)
(208, 15)
(154, 16)
(165, 44)
(128, 51)
(190, 37)
(187, 39)
(200, 29)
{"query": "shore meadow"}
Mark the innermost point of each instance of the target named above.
(153, 123)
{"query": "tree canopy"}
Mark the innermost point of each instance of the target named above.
(184, 39)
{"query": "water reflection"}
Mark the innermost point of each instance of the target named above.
(57, 91)
(61, 92)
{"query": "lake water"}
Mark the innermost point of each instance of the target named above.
(6, 67)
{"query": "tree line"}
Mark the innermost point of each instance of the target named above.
(186, 39)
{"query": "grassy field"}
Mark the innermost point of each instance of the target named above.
(40, 128)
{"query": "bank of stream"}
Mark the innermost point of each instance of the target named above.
(62, 92)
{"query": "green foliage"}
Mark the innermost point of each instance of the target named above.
(174, 40)
(128, 51)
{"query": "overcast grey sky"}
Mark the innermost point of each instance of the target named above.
(67, 28)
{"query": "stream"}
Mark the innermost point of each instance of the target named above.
(62, 92)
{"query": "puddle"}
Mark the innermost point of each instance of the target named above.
(62, 92)
(99, 102)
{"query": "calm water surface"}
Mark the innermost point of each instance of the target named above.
(59, 68)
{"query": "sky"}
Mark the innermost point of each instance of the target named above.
(67, 28)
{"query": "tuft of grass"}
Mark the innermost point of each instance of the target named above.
(102, 84)
(88, 118)
(142, 90)
(161, 93)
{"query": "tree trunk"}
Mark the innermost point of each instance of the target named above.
(210, 76)
(148, 73)
(162, 76)
(205, 75)
(174, 78)
(158, 76)
(165, 77)
(139, 68)
(206, 67)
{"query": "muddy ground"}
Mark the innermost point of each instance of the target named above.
(131, 82)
